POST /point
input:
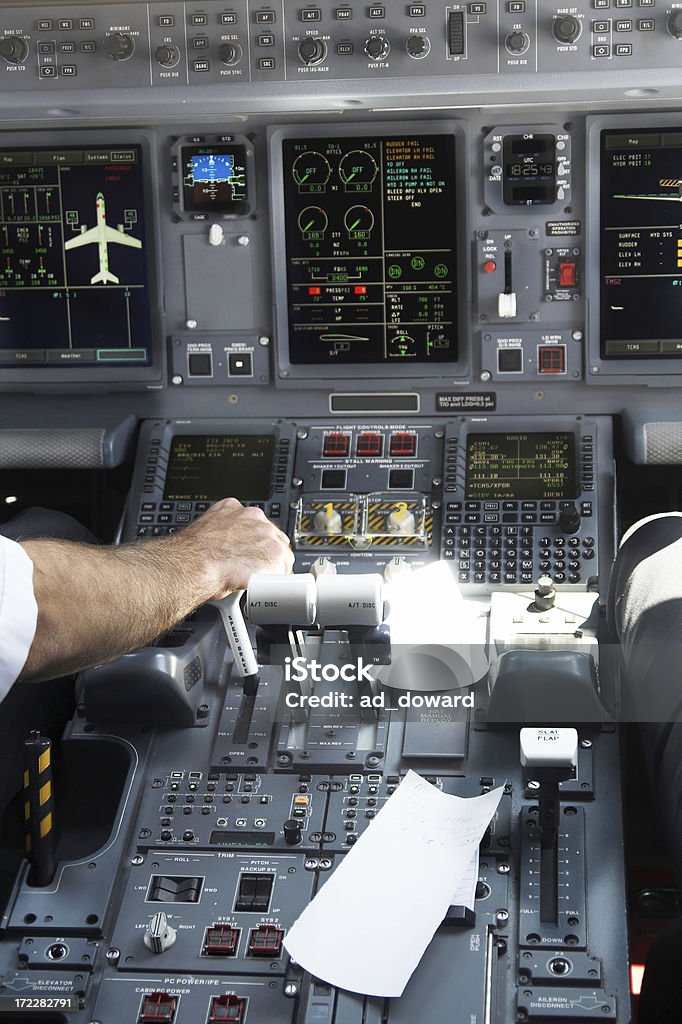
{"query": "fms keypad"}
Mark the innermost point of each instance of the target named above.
(521, 502)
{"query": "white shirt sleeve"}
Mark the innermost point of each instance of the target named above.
(18, 611)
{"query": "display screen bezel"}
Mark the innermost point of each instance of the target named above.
(232, 490)
(227, 210)
(73, 377)
(528, 160)
(618, 370)
(570, 488)
(314, 372)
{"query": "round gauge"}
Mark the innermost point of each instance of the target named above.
(310, 169)
(312, 220)
(357, 168)
(358, 220)
(402, 345)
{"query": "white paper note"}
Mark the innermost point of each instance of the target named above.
(465, 893)
(368, 927)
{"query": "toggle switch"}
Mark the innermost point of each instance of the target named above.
(568, 277)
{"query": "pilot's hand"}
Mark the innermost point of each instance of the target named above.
(230, 542)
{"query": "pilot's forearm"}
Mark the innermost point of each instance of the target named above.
(95, 603)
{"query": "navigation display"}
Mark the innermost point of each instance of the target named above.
(370, 225)
(641, 244)
(73, 271)
(207, 468)
(520, 466)
(214, 179)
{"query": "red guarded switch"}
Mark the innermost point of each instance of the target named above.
(403, 445)
(227, 1008)
(369, 446)
(568, 275)
(158, 1008)
(221, 940)
(552, 359)
(336, 446)
(266, 941)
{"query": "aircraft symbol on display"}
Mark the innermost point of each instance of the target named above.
(103, 235)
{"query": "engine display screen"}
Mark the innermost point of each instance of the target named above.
(73, 269)
(370, 225)
(641, 244)
(214, 179)
(520, 466)
(207, 468)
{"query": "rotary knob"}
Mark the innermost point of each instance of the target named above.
(377, 47)
(14, 49)
(566, 28)
(167, 56)
(323, 566)
(119, 45)
(158, 935)
(312, 50)
(569, 519)
(292, 832)
(517, 42)
(675, 24)
(417, 46)
(230, 53)
(397, 567)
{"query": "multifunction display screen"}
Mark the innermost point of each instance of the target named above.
(641, 244)
(207, 468)
(520, 466)
(370, 247)
(73, 269)
(214, 179)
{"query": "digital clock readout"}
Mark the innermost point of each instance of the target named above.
(530, 170)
